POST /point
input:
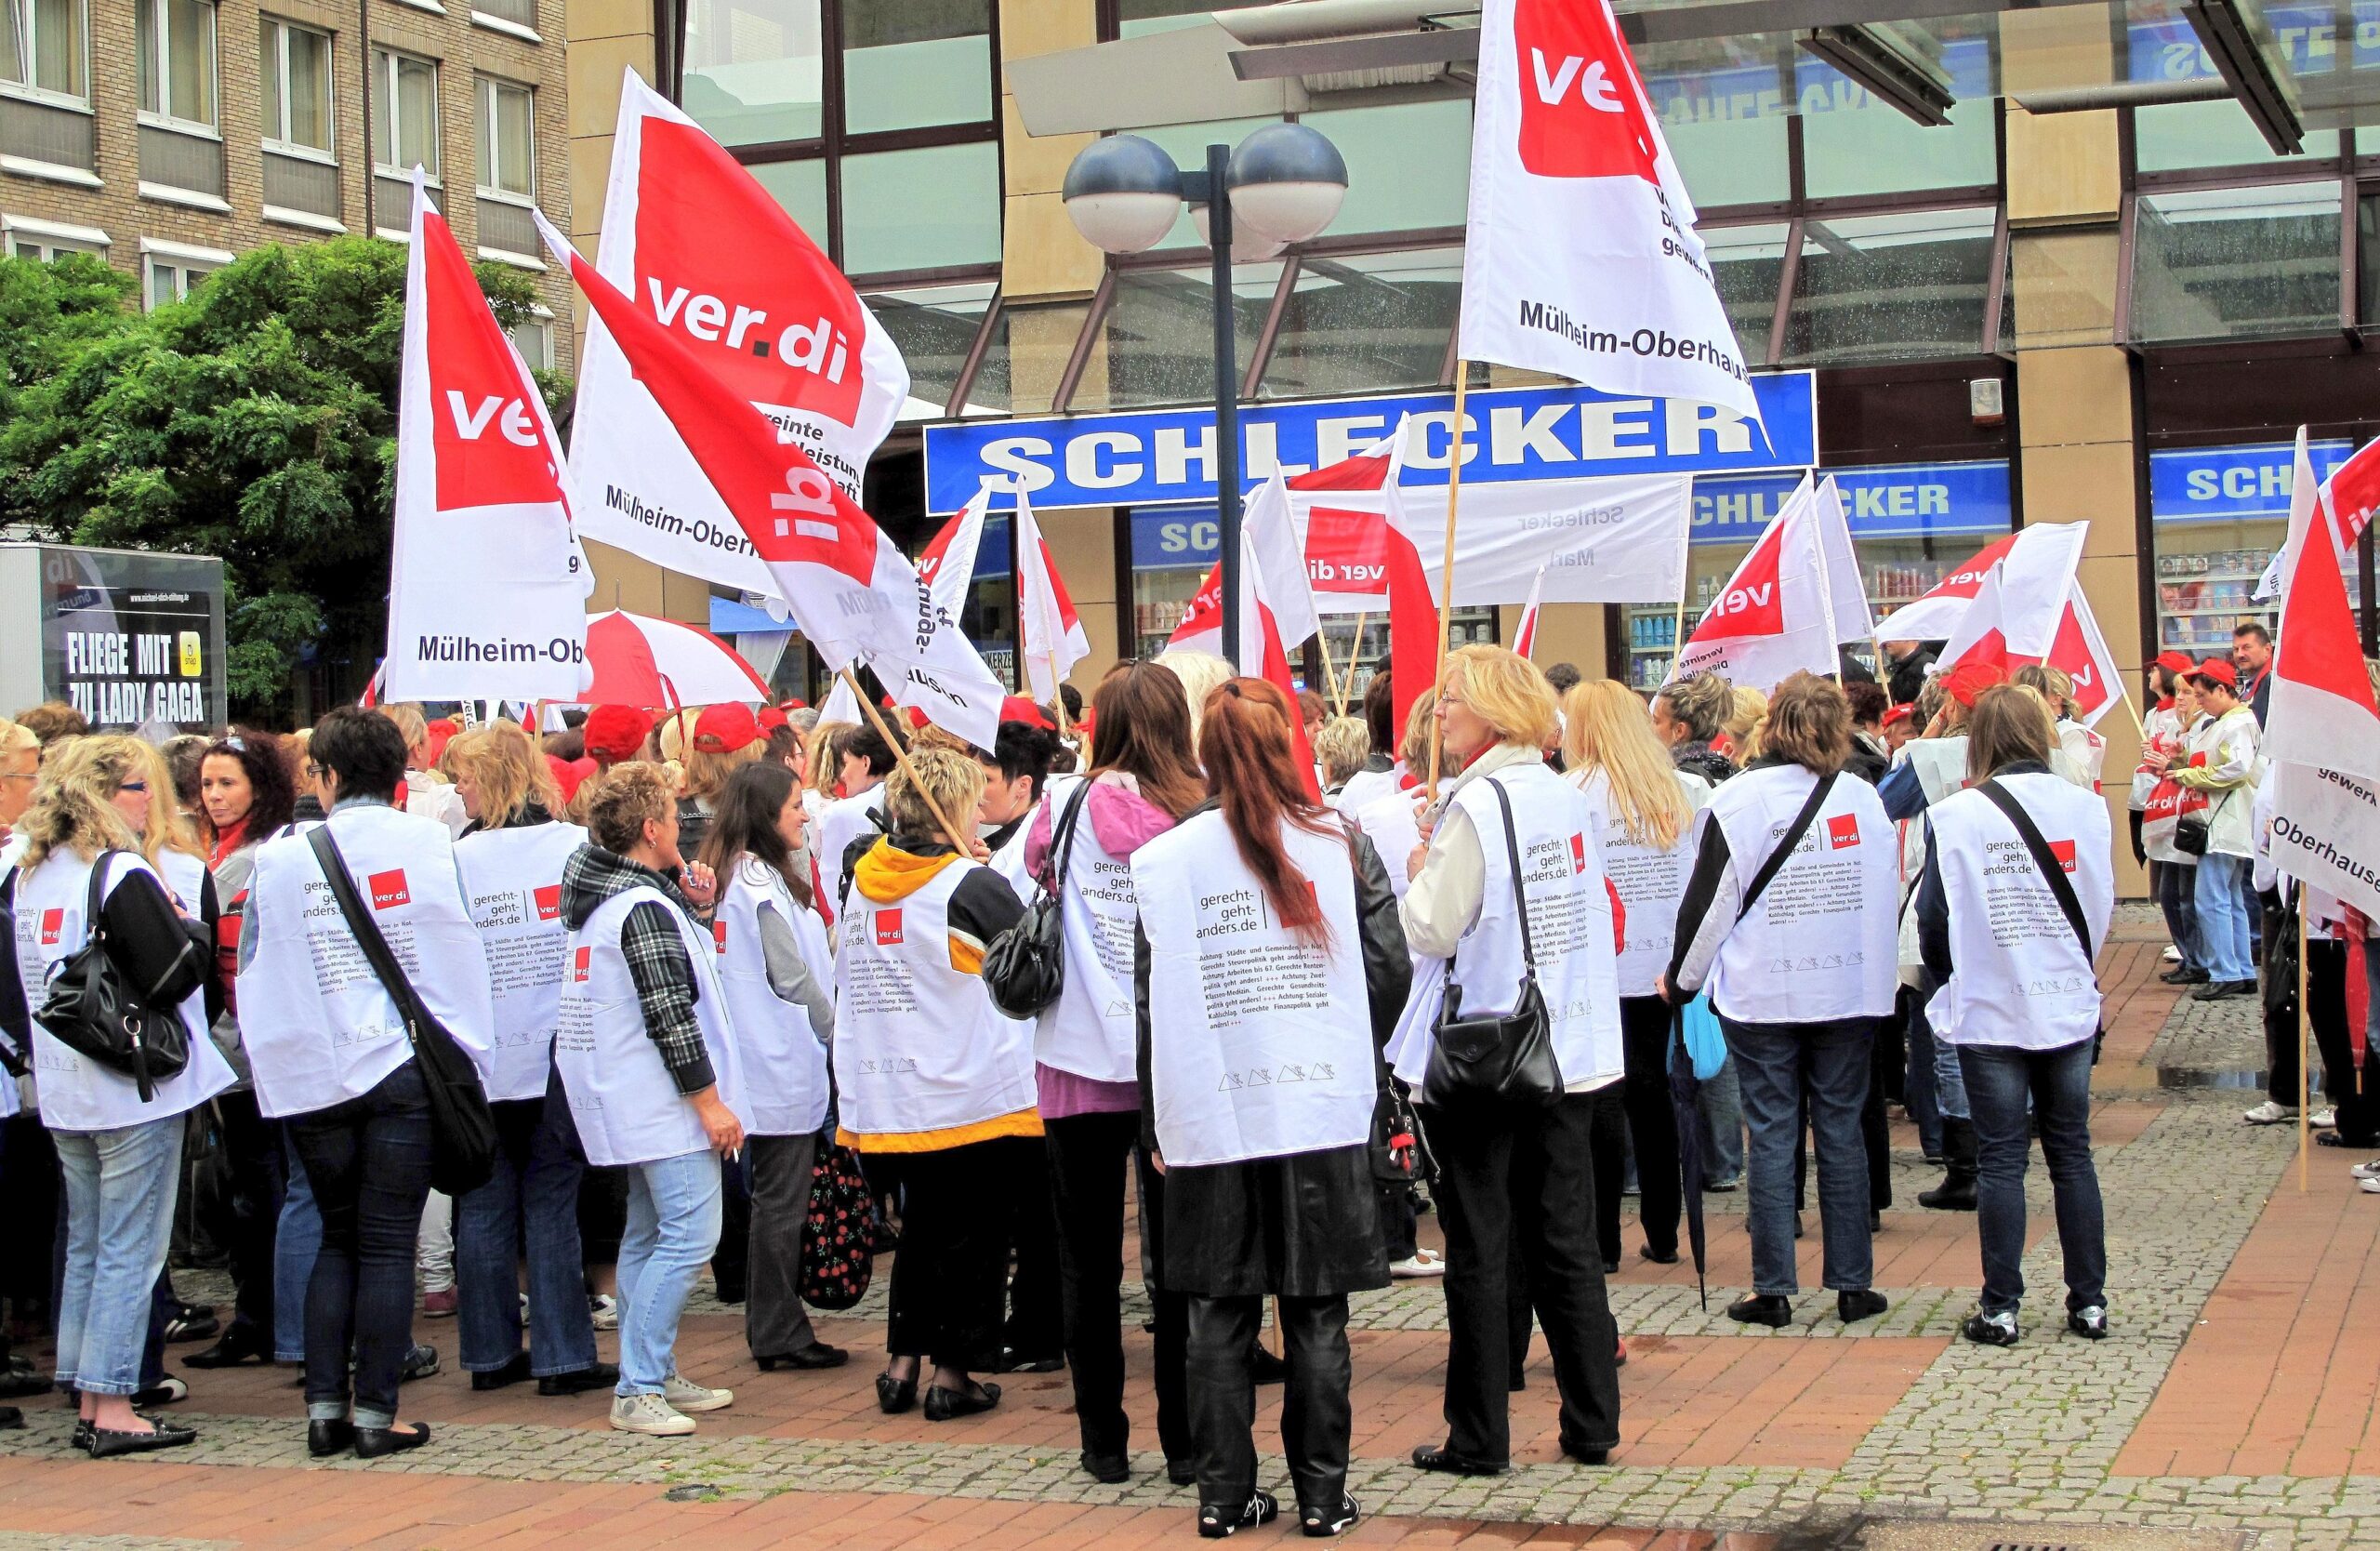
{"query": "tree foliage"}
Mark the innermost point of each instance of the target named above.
(255, 421)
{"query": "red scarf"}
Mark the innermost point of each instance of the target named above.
(227, 841)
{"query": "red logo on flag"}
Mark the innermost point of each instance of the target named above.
(1843, 829)
(719, 934)
(53, 926)
(549, 902)
(2064, 852)
(888, 928)
(1579, 852)
(1582, 112)
(491, 448)
(389, 889)
(579, 965)
(1752, 602)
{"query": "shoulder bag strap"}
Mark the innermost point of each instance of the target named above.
(367, 932)
(1520, 895)
(1784, 852)
(1061, 840)
(2005, 801)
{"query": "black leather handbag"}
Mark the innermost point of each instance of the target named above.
(137, 1030)
(1507, 1057)
(1025, 969)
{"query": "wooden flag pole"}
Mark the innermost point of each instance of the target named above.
(1329, 673)
(2304, 1022)
(1677, 629)
(900, 752)
(1355, 656)
(1446, 578)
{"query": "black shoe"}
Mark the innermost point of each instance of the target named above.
(1217, 1523)
(235, 1348)
(944, 1405)
(1773, 1309)
(19, 1386)
(1860, 1304)
(1014, 1361)
(895, 1396)
(1110, 1468)
(2224, 990)
(166, 1391)
(1585, 1455)
(106, 1442)
(1798, 1230)
(82, 1434)
(1956, 1193)
(1447, 1462)
(1321, 1523)
(1611, 1268)
(1987, 1329)
(326, 1438)
(2184, 976)
(2090, 1323)
(1265, 1367)
(512, 1372)
(601, 1375)
(816, 1356)
(192, 1324)
(1182, 1472)
(17, 1363)
(371, 1443)
(1875, 1222)
(1657, 1257)
(11, 1418)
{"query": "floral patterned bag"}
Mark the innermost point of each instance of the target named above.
(839, 1239)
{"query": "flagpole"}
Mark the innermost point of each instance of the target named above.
(1329, 673)
(1355, 656)
(1445, 579)
(900, 752)
(2305, 1020)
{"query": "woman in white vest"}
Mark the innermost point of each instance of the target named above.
(774, 970)
(1141, 783)
(648, 1060)
(2020, 996)
(1800, 979)
(512, 857)
(933, 1086)
(1516, 1181)
(332, 1056)
(1269, 971)
(1644, 809)
(119, 1152)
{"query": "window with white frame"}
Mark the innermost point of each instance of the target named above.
(296, 97)
(508, 133)
(45, 46)
(41, 242)
(533, 337)
(175, 42)
(405, 114)
(171, 277)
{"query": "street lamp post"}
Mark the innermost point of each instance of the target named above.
(1284, 183)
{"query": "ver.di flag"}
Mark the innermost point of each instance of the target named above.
(1847, 592)
(1360, 557)
(2036, 581)
(712, 257)
(1580, 256)
(2080, 653)
(1935, 614)
(1772, 619)
(851, 592)
(947, 567)
(2348, 497)
(1051, 639)
(487, 587)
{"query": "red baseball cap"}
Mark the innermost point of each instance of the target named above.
(568, 774)
(2176, 662)
(1902, 713)
(725, 728)
(1017, 707)
(615, 733)
(2220, 671)
(1968, 680)
(771, 719)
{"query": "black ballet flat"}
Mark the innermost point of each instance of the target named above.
(1773, 1309)
(811, 1359)
(895, 1396)
(945, 1405)
(1321, 1523)
(1656, 1257)
(1445, 1462)
(1109, 1469)
(107, 1444)
(326, 1438)
(371, 1443)
(1219, 1521)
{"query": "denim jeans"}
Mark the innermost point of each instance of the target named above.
(674, 1226)
(297, 1239)
(1946, 1091)
(120, 1190)
(2177, 897)
(368, 1160)
(1917, 1081)
(529, 1205)
(2000, 1081)
(2223, 918)
(1778, 1061)
(1721, 1101)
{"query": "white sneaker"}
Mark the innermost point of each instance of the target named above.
(1423, 1263)
(2172, 955)
(648, 1413)
(2270, 1113)
(684, 1394)
(606, 1311)
(2369, 1186)
(2366, 1171)
(2325, 1119)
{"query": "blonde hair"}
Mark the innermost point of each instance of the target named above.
(1507, 691)
(706, 773)
(16, 738)
(508, 767)
(1201, 674)
(1609, 732)
(1808, 722)
(73, 808)
(1341, 748)
(618, 801)
(407, 715)
(954, 781)
(1743, 715)
(2056, 685)
(1415, 750)
(826, 760)
(2010, 722)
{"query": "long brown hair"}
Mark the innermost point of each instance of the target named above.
(1244, 742)
(1141, 726)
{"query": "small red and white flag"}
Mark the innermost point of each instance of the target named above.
(2349, 496)
(947, 567)
(1277, 613)
(1847, 592)
(1980, 637)
(1524, 638)
(1771, 620)
(2036, 580)
(1051, 639)
(1934, 615)
(2080, 653)
(1360, 557)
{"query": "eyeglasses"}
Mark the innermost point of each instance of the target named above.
(141, 787)
(316, 769)
(20, 775)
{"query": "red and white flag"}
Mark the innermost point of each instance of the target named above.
(1580, 256)
(1934, 615)
(1980, 637)
(1277, 611)
(2037, 579)
(1049, 637)
(2080, 653)
(1846, 591)
(1361, 556)
(487, 587)
(848, 588)
(2349, 496)
(947, 567)
(2322, 731)
(711, 258)
(1771, 619)
(1524, 638)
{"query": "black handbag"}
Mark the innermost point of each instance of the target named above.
(1508, 1056)
(1025, 969)
(462, 1128)
(90, 1009)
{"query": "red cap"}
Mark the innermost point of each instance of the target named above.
(442, 731)
(795, 704)
(615, 733)
(568, 774)
(1968, 680)
(1017, 707)
(917, 718)
(2176, 662)
(1902, 713)
(725, 728)
(771, 719)
(2220, 671)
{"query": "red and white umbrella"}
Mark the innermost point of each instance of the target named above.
(661, 664)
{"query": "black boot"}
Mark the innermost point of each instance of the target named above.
(1956, 1193)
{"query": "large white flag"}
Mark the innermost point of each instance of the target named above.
(487, 588)
(713, 258)
(1051, 639)
(1935, 614)
(1772, 617)
(2037, 579)
(1621, 538)
(1846, 591)
(2348, 498)
(849, 588)
(948, 564)
(1580, 256)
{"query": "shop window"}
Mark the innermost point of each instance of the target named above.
(1156, 341)
(45, 47)
(1748, 263)
(296, 67)
(929, 209)
(1134, 18)
(533, 337)
(2223, 263)
(176, 43)
(1894, 287)
(1026, 356)
(754, 69)
(800, 187)
(1723, 111)
(1853, 144)
(2179, 136)
(936, 328)
(908, 64)
(1366, 323)
(1408, 167)
(2219, 515)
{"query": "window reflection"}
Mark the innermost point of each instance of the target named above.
(935, 326)
(909, 63)
(921, 209)
(1365, 323)
(800, 187)
(2183, 135)
(1157, 344)
(1026, 356)
(1890, 287)
(1749, 264)
(2218, 263)
(1723, 111)
(1408, 167)
(1853, 145)
(753, 70)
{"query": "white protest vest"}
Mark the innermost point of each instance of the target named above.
(2018, 975)
(1008, 861)
(1391, 822)
(1365, 787)
(512, 887)
(318, 1028)
(1651, 881)
(15, 1091)
(1260, 1045)
(75, 1093)
(844, 820)
(782, 1057)
(918, 1045)
(2086, 749)
(185, 878)
(1818, 943)
(1089, 1031)
(627, 1104)
(1940, 763)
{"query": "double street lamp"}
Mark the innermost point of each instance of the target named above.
(1284, 184)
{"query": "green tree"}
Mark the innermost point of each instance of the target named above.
(255, 421)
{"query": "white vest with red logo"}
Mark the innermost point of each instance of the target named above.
(512, 887)
(1651, 880)
(319, 1030)
(783, 1058)
(1817, 945)
(1090, 1029)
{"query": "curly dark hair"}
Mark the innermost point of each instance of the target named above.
(265, 760)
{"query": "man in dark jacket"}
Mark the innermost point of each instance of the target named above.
(1906, 662)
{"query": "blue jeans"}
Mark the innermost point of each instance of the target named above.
(297, 1239)
(120, 1190)
(672, 1228)
(1946, 1092)
(2223, 917)
(1777, 1061)
(2176, 896)
(531, 1203)
(2000, 1078)
(1722, 1103)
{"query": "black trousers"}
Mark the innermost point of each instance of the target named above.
(1036, 1325)
(1088, 1154)
(252, 1209)
(957, 1205)
(1514, 1180)
(1317, 1415)
(1645, 1023)
(2326, 967)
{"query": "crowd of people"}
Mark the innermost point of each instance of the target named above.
(706, 969)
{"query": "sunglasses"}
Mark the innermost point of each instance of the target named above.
(141, 787)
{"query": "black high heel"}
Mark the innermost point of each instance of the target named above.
(895, 1396)
(944, 1405)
